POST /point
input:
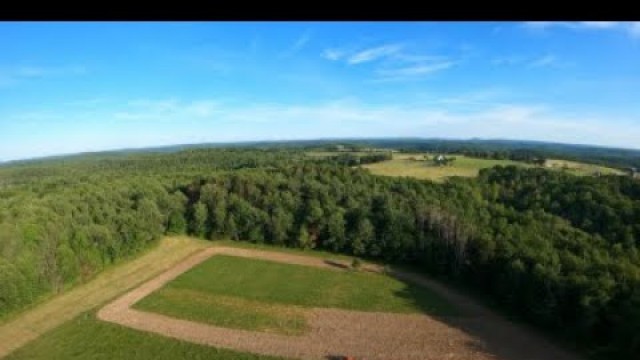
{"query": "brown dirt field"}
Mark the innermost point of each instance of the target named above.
(365, 335)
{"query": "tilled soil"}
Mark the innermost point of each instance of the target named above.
(364, 335)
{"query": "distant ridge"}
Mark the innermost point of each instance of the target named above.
(577, 151)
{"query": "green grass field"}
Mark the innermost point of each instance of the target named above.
(24, 326)
(268, 296)
(87, 338)
(581, 169)
(402, 165)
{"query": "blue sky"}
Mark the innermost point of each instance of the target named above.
(72, 87)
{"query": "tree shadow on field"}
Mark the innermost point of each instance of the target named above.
(492, 335)
(337, 264)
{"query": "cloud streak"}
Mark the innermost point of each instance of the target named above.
(372, 54)
(147, 122)
(632, 28)
(544, 61)
(413, 71)
(333, 54)
(166, 109)
(16, 74)
(541, 61)
(298, 45)
(391, 61)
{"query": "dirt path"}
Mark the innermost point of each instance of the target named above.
(365, 335)
(27, 326)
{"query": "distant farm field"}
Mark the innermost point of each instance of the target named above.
(414, 165)
(581, 169)
(404, 165)
(87, 338)
(267, 296)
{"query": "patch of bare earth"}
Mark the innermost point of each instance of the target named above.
(364, 335)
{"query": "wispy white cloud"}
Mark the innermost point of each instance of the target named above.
(375, 53)
(10, 75)
(508, 60)
(598, 24)
(413, 71)
(42, 71)
(476, 99)
(544, 61)
(352, 118)
(530, 61)
(333, 54)
(87, 102)
(213, 120)
(572, 25)
(298, 45)
(392, 61)
(163, 109)
(632, 28)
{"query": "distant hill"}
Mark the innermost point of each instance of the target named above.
(615, 157)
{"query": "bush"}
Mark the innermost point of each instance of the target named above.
(356, 263)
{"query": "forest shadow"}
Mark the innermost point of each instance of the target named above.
(491, 334)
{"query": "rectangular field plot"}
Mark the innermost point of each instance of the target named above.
(403, 165)
(267, 296)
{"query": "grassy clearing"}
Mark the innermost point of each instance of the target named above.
(402, 165)
(257, 307)
(226, 311)
(86, 338)
(32, 323)
(269, 296)
(581, 169)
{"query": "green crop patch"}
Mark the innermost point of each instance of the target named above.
(268, 296)
(226, 311)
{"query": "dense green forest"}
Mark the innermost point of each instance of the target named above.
(556, 250)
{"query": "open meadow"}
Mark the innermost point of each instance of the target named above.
(405, 165)
(268, 296)
(581, 169)
(417, 166)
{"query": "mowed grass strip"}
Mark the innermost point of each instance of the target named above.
(87, 338)
(226, 311)
(30, 324)
(264, 295)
